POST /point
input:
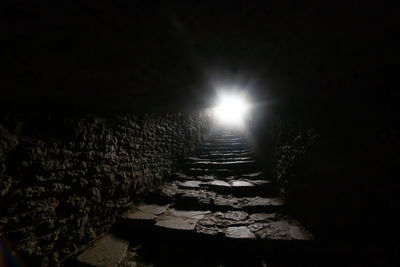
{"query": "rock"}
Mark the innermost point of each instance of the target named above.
(138, 215)
(262, 217)
(241, 184)
(260, 202)
(178, 223)
(257, 226)
(235, 215)
(217, 183)
(225, 219)
(227, 202)
(145, 212)
(186, 214)
(260, 182)
(253, 175)
(239, 232)
(179, 219)
(106, 252)
(208, 230)
(275, 230)
(152, 208)
(298, 232)
(190, 184)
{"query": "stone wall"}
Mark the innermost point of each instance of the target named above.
(340, 180)
(291, 148)
(65, 179)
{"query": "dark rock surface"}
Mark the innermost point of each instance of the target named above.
(106, 252)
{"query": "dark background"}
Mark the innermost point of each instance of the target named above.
(320, 66)
(322, 57)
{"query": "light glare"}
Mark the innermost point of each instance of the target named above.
(231, 110)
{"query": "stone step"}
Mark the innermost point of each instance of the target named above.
(223, 145)
(228, 224)
(231, 165)
(208, 200)
(223, 173)
(219, 173)
(225, 155)
(228, 183)
(225, 135)
(215, 172)
(223, 149)
(256, 178)
(108, 251)
(249, 176)
(230, 150)
(207, 189)
(217, 160)
(227, 141)
(239, 187)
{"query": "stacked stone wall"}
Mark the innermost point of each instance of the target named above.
(65, 180)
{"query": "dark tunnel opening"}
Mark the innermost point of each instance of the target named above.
(122, 141)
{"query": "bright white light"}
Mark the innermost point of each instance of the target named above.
(231, 109)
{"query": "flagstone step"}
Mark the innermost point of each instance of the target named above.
(108, 251)
(224, 155)
(225, 143)
(223, 147)
(218, 173)
(229, 224)
(222, 160)
(231, 165)
(205, 200)
(213, 151)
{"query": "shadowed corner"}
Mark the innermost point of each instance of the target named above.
(8, 254)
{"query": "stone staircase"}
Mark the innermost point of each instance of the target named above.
(218, 210)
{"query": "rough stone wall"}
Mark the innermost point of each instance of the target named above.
(292, 146)
(64, 180)
(341, 182)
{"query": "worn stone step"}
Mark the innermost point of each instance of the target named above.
(145, 213)
(223, 146)
(231, 165)
(196, 194)
(228, 183)
(163, 216)
(251, 176)
(228, 224)
(227, 141)
(227, 150)
(226, 136)
(241, 225)
(209, 200)
(222, 160)
(108, 251)
(239, 187)
(222, 149)
(225, 155)
(185, 177)
(219, 173)
(214, 172)
(208, 189)
(248, 176)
